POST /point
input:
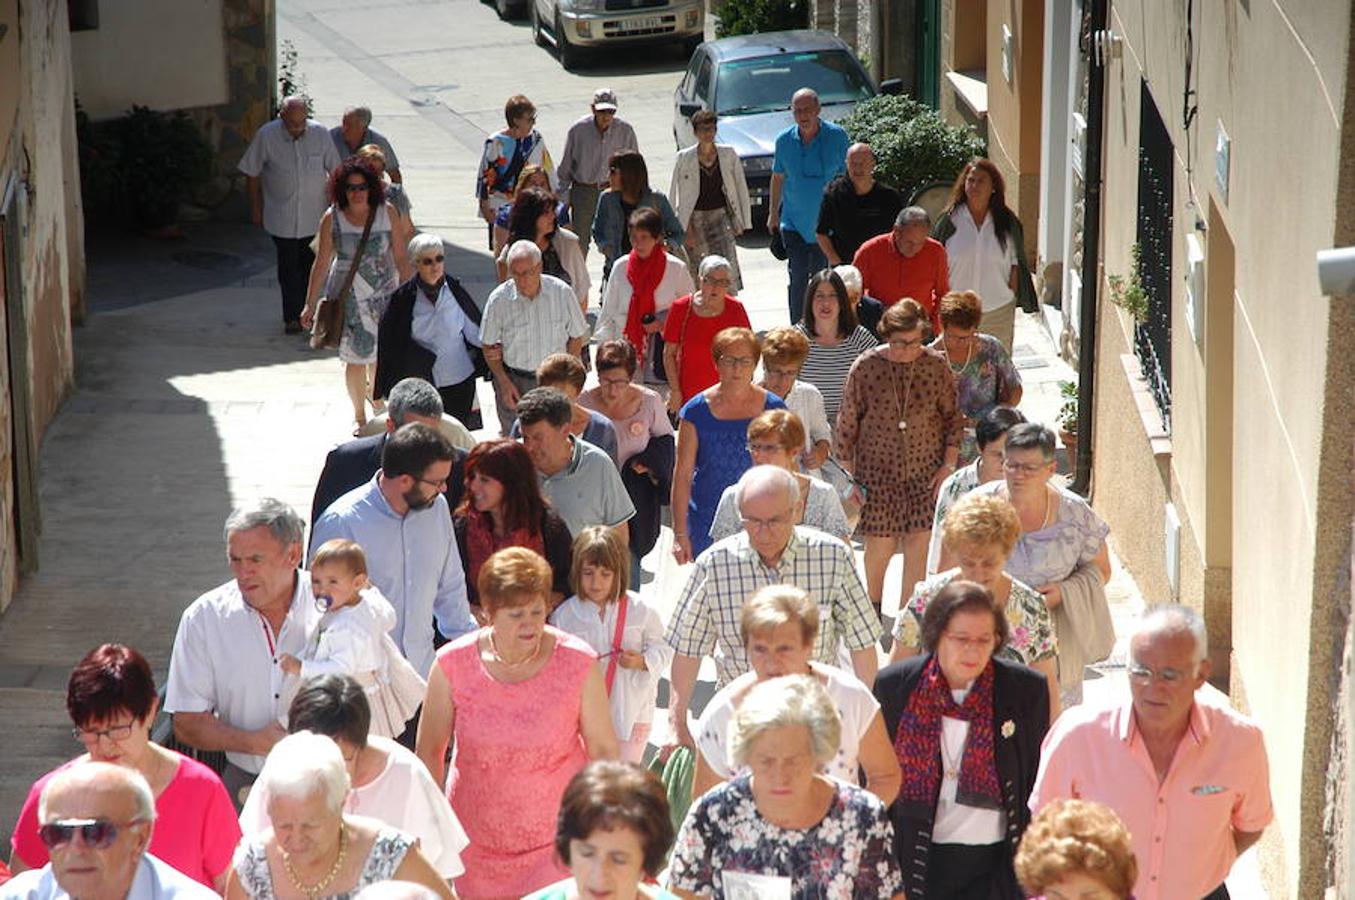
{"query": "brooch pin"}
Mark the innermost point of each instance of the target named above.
(638, 428)
(1008, 728)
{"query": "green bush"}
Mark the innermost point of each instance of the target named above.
(913, 145)
(138, 167)
(756, 16)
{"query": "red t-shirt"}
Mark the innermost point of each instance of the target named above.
(889, 276)
(196, 828)
(696, 366)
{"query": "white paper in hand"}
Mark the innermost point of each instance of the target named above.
(747, 886)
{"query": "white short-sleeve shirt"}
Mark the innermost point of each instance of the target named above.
(292, 173)
(978, 261)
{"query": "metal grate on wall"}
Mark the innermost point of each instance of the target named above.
(1153, 232)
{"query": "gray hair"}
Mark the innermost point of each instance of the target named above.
(413, 396)
(524, 250)
(1173, 618)
(912, 215)
(302, 765)
(362, 113)
(280, 519)
(806, 92)
(851, 278)
(422, 243)
(758, 477)
(783, 702)
(294, 100)
(712, 263)
(90, 774)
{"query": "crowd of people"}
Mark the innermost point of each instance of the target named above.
(448, 678)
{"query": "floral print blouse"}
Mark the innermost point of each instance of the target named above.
(1030, 626)
(848, 855)
(980, 381)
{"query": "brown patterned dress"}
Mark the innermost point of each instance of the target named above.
(896, 465)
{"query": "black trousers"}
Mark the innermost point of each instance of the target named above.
(457, 400)
(294, 271)
(969, 872)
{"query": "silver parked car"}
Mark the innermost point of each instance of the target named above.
(748, 81)
(576, 26)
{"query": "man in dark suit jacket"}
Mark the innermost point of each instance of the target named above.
(352, 464)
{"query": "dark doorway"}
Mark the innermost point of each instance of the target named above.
(24, 516)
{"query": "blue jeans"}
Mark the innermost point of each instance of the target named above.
(803, 259)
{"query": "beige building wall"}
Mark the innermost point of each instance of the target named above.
(1257, 464)
(1014, 65)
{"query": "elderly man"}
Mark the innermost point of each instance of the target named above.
(224, 678)
(808, 155)
(582, 173)
(855, 207)
(580, 480)
(400, 519)
(527, 318)
(96, 821)
(1185, 772)
(286, 168)
(906, 262)
(355, 131)
(353, 464)
(771, 549)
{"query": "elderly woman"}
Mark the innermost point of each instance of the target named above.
(613, 834)
(991, 436)
(565, 373)
(784, 351)
(1077, 850)
(388, 782)
(312, 848)
(778, 625)
(529, 177)
(1062, 553)
(785, 828)
(525, 707)
(985, 248)
(693, 322)
(776, 438)
(868, 309)
(711, 196)
(898, 433)
(979, 533)
(712, 449)
(507, 153)
(360, 231)
(431, 330)
(984, 375)
(503, 507)
(644, 285)
(533, 218)
(628, 192)
(967, 729)
(835, 338)
(645, 448)
(112, 703)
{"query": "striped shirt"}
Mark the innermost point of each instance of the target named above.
(826, 367)
(730, 571)
(532, 328)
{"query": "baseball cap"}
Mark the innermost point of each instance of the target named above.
(604, 99)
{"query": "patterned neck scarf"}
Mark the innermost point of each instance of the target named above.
(918, 741)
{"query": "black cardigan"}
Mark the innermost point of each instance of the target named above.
(1020, 696)
(398, 355)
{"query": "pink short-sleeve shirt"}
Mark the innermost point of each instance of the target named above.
(1182, 829)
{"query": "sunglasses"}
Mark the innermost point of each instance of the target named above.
(353, 187)
(429, 260)
(97, 833)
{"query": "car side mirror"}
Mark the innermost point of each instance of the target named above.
(689, 109)
(892, 86)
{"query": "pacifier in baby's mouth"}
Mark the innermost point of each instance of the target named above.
(324, 602)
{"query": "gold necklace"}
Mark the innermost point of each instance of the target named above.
(315, 889)
(951, 766)
(498, 657)
(969, 353)
(901, 403)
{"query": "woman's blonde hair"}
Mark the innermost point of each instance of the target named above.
(781, 424)
(785, 346)
(340, 552)
(961, 309)
(1068, 837)
(786, 702)
(600, 546)
(726, 338)
(981, 520)
(776, 605)
(513, 577)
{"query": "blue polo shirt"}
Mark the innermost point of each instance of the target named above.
(808, 168)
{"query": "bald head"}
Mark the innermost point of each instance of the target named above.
(104, 786)
(804, 106)
(767, 483)
(860, 161)
(293, 114)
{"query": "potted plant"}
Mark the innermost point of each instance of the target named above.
(1067, 421)
(1128, 293)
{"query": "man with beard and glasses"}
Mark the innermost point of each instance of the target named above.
(400, 520)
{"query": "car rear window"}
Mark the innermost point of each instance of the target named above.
(766, 83)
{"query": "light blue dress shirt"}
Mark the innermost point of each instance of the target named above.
(444, 328)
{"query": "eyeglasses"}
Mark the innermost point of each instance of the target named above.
(737, 362)
(1143, 675)
(981, 643)
(781, 373)
(901, 344)
(440, 483)
(430, 260)
(765, 524)
(116, 734)
(710, 279)
(353, 187)
(96, 833)
(764, 448)
(1023, 468)
(613, 382)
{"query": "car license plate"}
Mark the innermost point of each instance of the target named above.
(646, 24)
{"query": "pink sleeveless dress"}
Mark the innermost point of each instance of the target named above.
(517, 746)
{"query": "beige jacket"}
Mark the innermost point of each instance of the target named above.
(1082, 622)
(682, 193)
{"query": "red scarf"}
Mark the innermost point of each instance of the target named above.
(644, 276)
(918, 741)
(481, 542)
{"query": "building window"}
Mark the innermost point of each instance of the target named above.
(1153, 336)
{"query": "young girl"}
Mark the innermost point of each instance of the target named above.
(352, 638)
(625, 631)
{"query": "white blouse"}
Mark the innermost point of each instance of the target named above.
(955, 823)
(978, 262)
(676, 282)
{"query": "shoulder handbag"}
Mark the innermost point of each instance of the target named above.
(328, 327)
(615, 655)
(657, 346)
